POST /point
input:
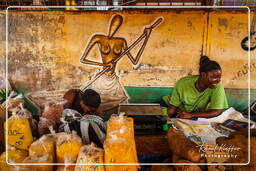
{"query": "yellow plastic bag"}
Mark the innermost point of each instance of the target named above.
(14, 156)
(66, 167)
(43, 158)
(90, 154)
(19, 132)
(120, 142)
(41, 151)
(44, 145)
(118, 150)
(68, 147)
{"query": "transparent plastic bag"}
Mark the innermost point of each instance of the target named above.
(44, 145)
(53, 110)
(90, 154)
(13, 101)
(41, 151)
(24, 113)
(68, 147)
(14, 156)
(124, 127)
(120, 142)
(19, 131)
(40, 158)
(3, 82)
(44, 125)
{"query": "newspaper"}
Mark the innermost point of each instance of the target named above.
(205, 130)
(230, 113)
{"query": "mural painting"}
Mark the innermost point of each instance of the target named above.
(112, 49)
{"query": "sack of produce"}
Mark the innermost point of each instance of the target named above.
(19, 131)
(53, 110)
(44, 125)
(68, 147)
(90, 154)
(44, 145)
(40, 158)
(120, 142)
(14, 156)
(13, 101)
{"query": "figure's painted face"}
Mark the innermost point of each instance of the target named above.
(213, 78)
(115, 23)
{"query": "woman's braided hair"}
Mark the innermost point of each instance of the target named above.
(206, 65)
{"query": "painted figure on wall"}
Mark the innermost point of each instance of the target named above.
(112, 49)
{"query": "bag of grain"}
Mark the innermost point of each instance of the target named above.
(19, 131)
(120, 142)
(40, 158)
(53, 111)
(14, 156)
(90, 154)
(44, 124)
(68, 147)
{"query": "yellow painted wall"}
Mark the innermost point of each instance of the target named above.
(45, 47)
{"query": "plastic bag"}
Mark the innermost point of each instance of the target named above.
(41, 158)
(123, 127)
(120, 142)
(24, 113)
(14, 156)
(3, 82)
(44, 145)
(13, 101)
(68, 147)
(41, 151)
(90, 154)
(53, 110)
(19, 131)
(44, 124)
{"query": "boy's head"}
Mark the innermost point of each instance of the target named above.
(90, 100)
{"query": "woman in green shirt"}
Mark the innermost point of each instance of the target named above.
(200, 95)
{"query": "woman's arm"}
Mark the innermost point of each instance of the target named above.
(207, 114)
(171, 110)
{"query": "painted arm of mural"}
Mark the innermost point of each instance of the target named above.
(147, 32)
(94, 40)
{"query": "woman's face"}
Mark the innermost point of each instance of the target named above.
(212, 78)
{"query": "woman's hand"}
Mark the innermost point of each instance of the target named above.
(184, 115)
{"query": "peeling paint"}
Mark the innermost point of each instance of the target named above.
(223, 22)
(149, 67)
